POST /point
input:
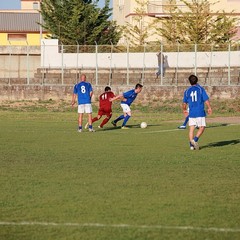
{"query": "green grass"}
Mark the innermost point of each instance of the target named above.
(139, 177)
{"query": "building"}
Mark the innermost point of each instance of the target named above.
(125, 10)
(21, 27)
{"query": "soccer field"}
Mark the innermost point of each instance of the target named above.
(138, 183)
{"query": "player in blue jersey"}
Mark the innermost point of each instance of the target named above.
(83, 91)
(127, 99)
(195, 97)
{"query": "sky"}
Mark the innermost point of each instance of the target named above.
(15, 4)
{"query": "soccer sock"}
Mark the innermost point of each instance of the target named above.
(90, 127)
(105, 120)
(94, 119)
(119, 118)
(195, 139)
(190, 144)
(79, 127)
(186, 121)
(125, 120)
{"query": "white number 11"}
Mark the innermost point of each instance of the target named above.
(194, 96)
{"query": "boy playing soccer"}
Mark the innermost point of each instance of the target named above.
(105, 107)
(127, 99)
(195, 97)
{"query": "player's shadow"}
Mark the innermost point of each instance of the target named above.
(222, 143)
(218, 125)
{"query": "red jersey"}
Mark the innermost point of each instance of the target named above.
(104, 102)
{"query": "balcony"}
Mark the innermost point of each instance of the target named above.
(164, 7)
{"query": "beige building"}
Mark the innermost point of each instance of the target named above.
(20, 27)
(124, 10)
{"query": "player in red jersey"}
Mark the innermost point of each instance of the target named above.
(105, 107)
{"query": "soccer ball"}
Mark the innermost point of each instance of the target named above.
(143, 125)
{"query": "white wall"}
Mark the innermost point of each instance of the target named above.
(51, 57)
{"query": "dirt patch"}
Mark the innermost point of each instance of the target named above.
(228, 120)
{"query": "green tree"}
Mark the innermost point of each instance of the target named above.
(196, 23)
(79, 21)
(138, 30)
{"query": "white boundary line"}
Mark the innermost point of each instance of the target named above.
(100, 225)
(177, 129)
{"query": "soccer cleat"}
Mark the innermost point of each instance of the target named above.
(195, 145)
(113, 123)
(124, 127)
(100, 127)
(91, 130)
(182, 127)
(192, 148)
(86, 126)
(79, 130)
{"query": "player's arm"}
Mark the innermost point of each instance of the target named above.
(74, 98)
(184, 108)
(91, 93)
(116, 97)
(209, 110)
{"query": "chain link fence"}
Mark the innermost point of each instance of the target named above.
(54, 64)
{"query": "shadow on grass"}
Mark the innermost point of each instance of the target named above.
(129, 126)
(218, 125)
(222, 143)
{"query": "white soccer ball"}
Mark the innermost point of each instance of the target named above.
(143, 125)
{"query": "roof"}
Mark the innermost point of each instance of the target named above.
(19, 22)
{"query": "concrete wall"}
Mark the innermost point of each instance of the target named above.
(148, 95)
(52, 58)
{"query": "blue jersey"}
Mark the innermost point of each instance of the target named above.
(129, 97)
(83, 90)
(195, 96)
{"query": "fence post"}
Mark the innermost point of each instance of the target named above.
(96, 52)
(9, 61)
(195, 68)
(161, 47)
(110, 72)
(77, 62)
(62, 70)
(27, 63)
(178, 49)
(127, 63)
(43, 61)
(229, 64)
(144, 56)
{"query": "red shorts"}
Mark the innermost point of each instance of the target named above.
(105, 111)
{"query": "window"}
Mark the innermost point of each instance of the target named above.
(17, 37)
(35, 6)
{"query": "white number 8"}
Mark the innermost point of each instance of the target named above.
(83, 89)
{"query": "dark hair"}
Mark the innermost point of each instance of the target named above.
(193, 79)
(107, 88)
(138, 85)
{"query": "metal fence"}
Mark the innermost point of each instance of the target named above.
(109, 64)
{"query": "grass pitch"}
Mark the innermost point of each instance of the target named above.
(57, 183)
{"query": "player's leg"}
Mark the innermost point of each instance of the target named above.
(201, 123)
(105, 120)
(96, 118)
(192, 124)
(127, 115)
(80, 117)
(88, 110)
(114, 122)
(184, 125)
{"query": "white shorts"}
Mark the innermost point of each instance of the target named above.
(125, 108)
(199, 122)
(85, 108)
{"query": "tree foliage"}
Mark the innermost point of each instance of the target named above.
(196, 23)
(79, 22)
(138, 31)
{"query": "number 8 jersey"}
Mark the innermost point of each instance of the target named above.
(195, 96)
(83, 90)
